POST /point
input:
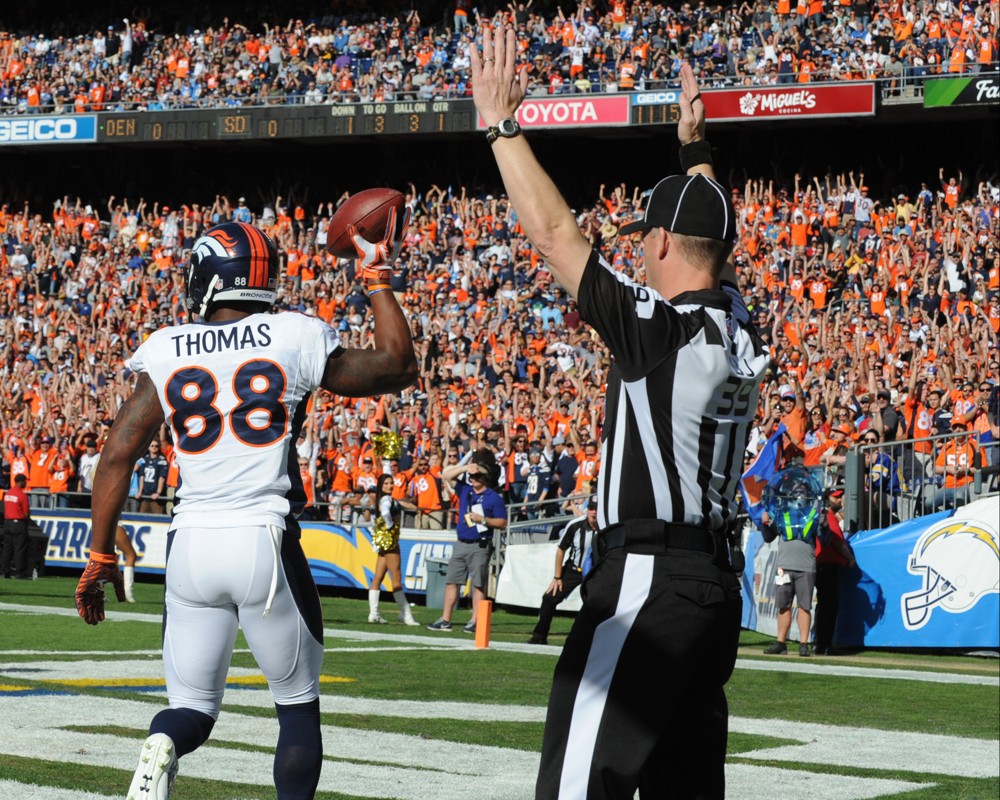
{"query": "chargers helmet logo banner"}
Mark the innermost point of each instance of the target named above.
(958, 563)
(931, 581)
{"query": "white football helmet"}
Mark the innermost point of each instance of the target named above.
(959, 562)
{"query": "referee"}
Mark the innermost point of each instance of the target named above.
(637, 698)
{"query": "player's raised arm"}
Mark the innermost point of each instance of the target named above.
(392, 365)
(498, 90)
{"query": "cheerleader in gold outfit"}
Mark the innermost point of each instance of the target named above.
(386, 538)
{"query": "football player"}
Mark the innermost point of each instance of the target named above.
(233, 387)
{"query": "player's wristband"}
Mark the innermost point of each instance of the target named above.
(695, 154)
(103, 558)
(375, 288)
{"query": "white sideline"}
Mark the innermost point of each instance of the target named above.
(461, 642)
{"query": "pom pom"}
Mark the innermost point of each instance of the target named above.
(387, 444)
(383, 537)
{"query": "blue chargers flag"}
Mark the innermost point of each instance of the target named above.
(755, 479)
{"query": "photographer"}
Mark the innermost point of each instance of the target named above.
(480, 510)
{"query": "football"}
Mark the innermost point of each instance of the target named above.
(368, 211)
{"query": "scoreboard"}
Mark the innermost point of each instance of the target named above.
(288, 122)
(656, 108)
(343, 120)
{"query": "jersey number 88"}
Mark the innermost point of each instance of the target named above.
(259, 418)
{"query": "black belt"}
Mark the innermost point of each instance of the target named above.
(654, 537)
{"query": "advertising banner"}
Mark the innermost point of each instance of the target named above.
(971, 91)
(799, 100)
(344, 556)
(48, 130)
(338, 555)
(656, 98)
(933, 581)
(571, 111)
(527, 573)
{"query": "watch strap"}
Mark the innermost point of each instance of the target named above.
(494, 131)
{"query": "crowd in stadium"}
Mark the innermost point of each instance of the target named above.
(867, 301)
(616, 45)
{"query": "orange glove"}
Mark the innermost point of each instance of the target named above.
(101, 569)
(376, 258)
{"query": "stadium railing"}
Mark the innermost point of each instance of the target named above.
(896, 481)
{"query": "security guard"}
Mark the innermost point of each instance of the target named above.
(15, 529)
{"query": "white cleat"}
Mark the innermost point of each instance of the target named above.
(154, 777)
(377, 619)
(406, 617)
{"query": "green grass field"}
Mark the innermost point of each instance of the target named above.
(409, 713)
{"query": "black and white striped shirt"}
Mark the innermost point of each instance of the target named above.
(575, 540)
(681, 397)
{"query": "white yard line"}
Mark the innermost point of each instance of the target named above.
(12, 790)
(868, 748)
(391, 765)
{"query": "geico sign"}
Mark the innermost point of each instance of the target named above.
(655, 98)
(560, 112)
(37, 130)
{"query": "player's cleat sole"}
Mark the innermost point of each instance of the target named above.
(154, 777)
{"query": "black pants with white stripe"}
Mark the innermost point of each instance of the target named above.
(637, 698)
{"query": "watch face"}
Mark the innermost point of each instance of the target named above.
(508, 126)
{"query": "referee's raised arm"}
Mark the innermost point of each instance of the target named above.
(498, 89)
(696, 155)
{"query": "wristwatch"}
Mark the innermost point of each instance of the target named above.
(508, 128)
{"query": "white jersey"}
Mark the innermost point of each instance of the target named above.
(232, 393)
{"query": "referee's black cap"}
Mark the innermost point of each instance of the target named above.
(693, 205)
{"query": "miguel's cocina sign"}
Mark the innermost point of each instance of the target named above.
(794, 100)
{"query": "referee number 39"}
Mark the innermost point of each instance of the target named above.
(735, 398)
